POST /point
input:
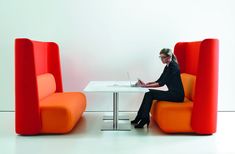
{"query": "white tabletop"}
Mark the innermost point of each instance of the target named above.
(112, 86)
(116, 86)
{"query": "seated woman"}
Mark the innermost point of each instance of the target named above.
(171, 78)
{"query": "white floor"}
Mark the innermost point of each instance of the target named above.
(87, 138)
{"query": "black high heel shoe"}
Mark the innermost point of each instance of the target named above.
(136, 121)
(142, 123)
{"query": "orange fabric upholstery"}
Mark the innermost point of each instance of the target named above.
(189, 82)
(41, 106)
(198, 63)
(46, 85)
(175, 117)
(61, 111)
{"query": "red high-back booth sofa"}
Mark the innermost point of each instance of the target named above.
(199, 62)
(41, 106)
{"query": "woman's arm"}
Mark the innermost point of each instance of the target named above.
(151, 85)
(161, 76)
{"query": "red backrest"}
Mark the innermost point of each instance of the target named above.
(33, 58)
(201, 59)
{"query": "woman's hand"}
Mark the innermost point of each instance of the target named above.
(140, 83)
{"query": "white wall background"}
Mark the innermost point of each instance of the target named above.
(103, 39)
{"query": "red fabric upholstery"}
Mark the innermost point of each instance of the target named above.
(26, 113)
(201, 59)
(32, 58)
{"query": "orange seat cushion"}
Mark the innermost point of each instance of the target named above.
(173, 117)
(46, 85)
(61, 111)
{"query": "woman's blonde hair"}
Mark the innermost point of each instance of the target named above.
(168, 52)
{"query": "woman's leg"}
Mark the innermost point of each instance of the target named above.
(148, 100)
(144, 110)
(146, 104)
(141, 111)
(145, 107)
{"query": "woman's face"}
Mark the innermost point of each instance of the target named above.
(164, 58)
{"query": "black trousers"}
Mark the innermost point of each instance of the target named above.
(146, 104)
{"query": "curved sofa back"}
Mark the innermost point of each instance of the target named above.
(201, 59)
(32, 59)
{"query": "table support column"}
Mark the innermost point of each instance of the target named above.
(115, 110)
(115, 126)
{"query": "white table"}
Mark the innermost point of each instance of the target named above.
(114, 87)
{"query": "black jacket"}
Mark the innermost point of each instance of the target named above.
(171, 77)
